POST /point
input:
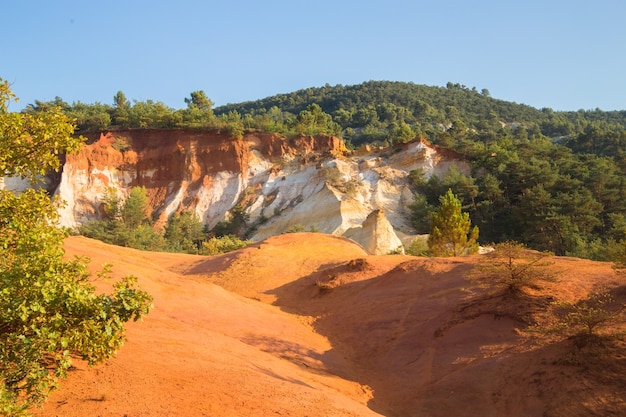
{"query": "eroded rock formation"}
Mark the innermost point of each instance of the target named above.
(310, 182)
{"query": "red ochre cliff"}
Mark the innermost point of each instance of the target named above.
(309, 181)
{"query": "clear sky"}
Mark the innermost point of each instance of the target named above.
(563, 54)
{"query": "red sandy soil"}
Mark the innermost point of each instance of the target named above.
(309, 325)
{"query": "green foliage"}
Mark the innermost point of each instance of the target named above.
(451, 233)
(120, 111)
(223, 244)
(122, 143)
(199, 100)
(418, 247)
(235, 225)
(512, 267)
(154, 115)
(421, 213)
(542, 194)
(371, 112)
(233, 124)
(313, 121)
(142, 237)
(183, 233)
(463, 186)
(31, 143)
(589, 322)
(586, 317)
(382, 110)
(49, 312)
(296, 228)
(111, 204)
(134, 211)
(125, 223)
(401, 133)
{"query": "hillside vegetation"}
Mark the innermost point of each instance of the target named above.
(552, 180)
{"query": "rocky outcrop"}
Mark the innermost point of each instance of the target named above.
(376, 235)
(309, 182)
(203, 172)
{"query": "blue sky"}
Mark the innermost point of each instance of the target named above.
(567, 55)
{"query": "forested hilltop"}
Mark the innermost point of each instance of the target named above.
(387, 111)
(552, 180)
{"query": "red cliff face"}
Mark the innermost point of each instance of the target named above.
(188, 155)
(168, 162)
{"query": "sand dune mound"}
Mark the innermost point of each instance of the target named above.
(310, 325)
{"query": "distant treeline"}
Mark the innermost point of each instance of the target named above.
(381, 112)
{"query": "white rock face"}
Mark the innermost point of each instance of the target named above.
(376, 235)
(19, 184)
(83, 191)
(310, 183)
(15, 184)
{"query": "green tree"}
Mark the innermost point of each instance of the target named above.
(421, 212)
(49, 311)
(401, 133)
(313, 121)
(183, 233)
(234, 225)
(199, 111)
(150, 114)
(451, 231)
(199, 100)
(120, 113)
(111, 205)
(233, 124)
(135, 209)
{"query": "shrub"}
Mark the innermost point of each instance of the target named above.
(223, 244)
(296, 228)
(585, 319)
(122, 143)
(418, 247)
(512, 267)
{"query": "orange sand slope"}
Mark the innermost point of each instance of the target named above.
(309, 325)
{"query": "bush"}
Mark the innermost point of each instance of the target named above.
(296, 228)
(512, 267)
(122, 143)
(418, 247)
(585, 319)
(223, 244)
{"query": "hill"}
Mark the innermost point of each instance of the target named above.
(389, 101)
(309, 324)
(383, 110)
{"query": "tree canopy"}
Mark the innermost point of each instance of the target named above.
(49, 310)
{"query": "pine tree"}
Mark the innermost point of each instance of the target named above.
(451, 231)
